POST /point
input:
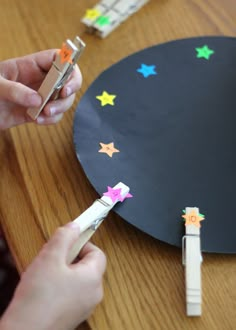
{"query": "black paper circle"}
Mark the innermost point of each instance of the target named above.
(173, 121)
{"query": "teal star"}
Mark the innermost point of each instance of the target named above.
(202, 215)
(147, 70)
(204, 52)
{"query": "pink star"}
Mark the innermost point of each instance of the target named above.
(126, 196)
(114, 194)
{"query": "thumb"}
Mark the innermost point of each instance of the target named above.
(18, 93)
(63, 240)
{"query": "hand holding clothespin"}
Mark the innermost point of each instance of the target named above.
(92, 218)
(58, 74)
(192, 259)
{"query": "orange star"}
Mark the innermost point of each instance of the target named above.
(65, 54)
(108, 149)
(193, 218)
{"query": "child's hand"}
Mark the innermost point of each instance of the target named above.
(53, 295)
(19, 80)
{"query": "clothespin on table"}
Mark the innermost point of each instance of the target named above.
(192, 259)
(109, 14)
(59, 72)
(92, 218)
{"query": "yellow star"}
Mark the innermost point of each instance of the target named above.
(108, 149)
(65, 54)
(92, 14)
(106, 98)
(193, 218)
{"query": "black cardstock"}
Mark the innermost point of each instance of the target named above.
(176, 132)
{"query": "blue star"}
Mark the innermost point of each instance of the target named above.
(147, 70)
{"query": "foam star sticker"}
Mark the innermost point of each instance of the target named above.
(193, 218)
(103, 20)
(147, 70)
(204, 52)
(106, 98)
(114, 194)
(92, 14)
(126, 196)
(108, 149)
(65, 54)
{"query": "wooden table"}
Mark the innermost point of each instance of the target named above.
(43, 186)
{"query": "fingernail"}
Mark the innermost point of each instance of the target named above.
(68, 91)
(35, 99)
(40, 120)
(52, 111)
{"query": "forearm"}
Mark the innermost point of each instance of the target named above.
(9, 323)
(11, 320)
(15, 318)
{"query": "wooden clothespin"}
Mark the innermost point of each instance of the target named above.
(109, 14)
(192, 259)
(92, 218)
(58, 74)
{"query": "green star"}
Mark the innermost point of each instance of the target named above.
(204, 52)
(103, 20)
(202, 215)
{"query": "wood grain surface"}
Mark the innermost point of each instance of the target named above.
(42, 184)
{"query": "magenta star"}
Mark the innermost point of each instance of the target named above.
(114, 194)
(126, 196)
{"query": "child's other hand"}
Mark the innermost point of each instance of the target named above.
(53, 295)
(20, 78)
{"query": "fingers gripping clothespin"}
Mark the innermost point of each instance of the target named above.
(92, 218)
(58, 74)
(192, 260)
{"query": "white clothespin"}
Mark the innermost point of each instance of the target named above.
(93, 14)
(58, 74)
(192, 259)
(91, 219)
(109, 14)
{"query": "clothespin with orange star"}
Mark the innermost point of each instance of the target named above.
(59, 73)
(192, 259)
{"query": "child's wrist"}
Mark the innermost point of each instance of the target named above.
(7, 323)
(12, 319)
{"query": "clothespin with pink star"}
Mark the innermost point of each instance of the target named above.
(92, 218)
(192, 260)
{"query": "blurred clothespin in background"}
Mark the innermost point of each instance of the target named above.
(109, 14)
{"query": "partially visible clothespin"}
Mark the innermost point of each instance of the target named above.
(92, 218)
(107, 15)
(58, 74)
(192, 259)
